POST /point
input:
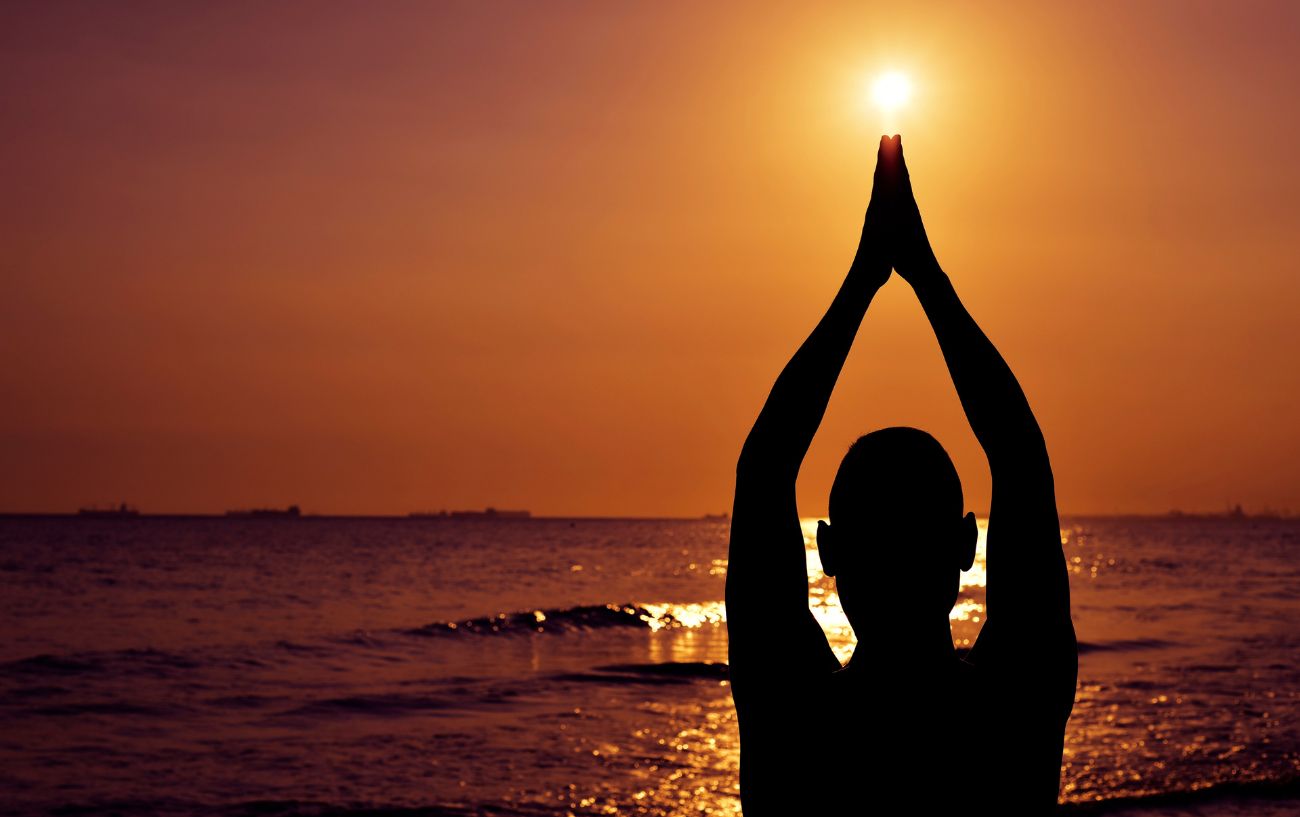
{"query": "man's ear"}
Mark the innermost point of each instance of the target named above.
(968, 534)
(825, 550)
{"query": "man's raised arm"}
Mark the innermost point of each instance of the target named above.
(774, 641)
(1027, 644)
(1030, 578)
(767, 571)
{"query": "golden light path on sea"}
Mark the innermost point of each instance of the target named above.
(823, 601)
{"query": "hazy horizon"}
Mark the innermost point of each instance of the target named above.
(981, 514)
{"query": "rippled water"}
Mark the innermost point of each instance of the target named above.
(186, 666)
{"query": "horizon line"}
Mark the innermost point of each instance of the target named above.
(479, 515)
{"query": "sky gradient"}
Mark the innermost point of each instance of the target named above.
(374, 258)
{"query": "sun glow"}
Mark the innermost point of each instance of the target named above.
(891, 90)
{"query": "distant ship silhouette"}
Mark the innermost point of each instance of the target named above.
(486, 513)
(122, 510)
(291, 512)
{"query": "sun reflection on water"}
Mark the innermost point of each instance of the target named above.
(704, 742)
(967, 615)
(824, 601)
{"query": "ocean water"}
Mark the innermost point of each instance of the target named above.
(160, 666)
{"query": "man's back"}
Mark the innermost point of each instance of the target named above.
(942, 735)
(903, 730)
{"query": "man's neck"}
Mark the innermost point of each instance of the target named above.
(897, 649)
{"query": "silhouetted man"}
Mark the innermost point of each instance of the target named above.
(906, 717)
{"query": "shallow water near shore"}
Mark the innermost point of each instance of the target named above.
(548, 667)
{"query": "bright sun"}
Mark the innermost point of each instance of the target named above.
(891, 90)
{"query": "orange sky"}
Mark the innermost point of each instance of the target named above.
(381, 257)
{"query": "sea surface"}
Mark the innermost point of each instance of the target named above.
(322, 666)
